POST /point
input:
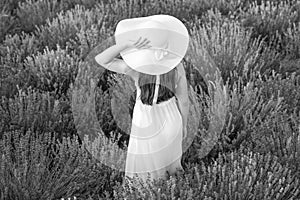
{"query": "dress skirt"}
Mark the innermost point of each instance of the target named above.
(155, 144)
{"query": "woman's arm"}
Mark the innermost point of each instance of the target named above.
(108, 60)
(181, 93)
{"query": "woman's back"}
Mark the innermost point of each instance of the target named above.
(165, 88)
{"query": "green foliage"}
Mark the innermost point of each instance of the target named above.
(278, 135)
(246, 108)
(13, 52)
(231, 47)
(40, 112)
(292, 41)
(53, 70)
(6, 22)
(238, 175)
(26, 15)
(35, 166)
(34, 13)
(10, 5)
(271, 18)
(286, 88)
(63, 29)
(15, 48)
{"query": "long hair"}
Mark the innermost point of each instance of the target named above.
(166, 90)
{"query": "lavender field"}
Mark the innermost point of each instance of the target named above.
(44, 49)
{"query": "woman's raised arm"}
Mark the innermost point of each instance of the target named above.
(108, 60)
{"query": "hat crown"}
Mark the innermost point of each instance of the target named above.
(152, 24)
(168, 39)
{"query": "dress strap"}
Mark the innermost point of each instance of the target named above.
(156, 89)
(138, 89)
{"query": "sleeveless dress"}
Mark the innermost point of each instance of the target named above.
(155, 144)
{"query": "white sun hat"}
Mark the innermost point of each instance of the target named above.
(168, 37)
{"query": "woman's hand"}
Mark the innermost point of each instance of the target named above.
(141, 43)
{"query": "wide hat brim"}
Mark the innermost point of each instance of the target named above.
(166, 33)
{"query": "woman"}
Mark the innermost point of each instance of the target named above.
(159, 120)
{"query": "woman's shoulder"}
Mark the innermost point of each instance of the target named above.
(133, 74)
(180, 69)
(179, 72)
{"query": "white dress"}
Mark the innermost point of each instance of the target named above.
(155, 143)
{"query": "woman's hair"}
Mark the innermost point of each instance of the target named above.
(166, 90)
